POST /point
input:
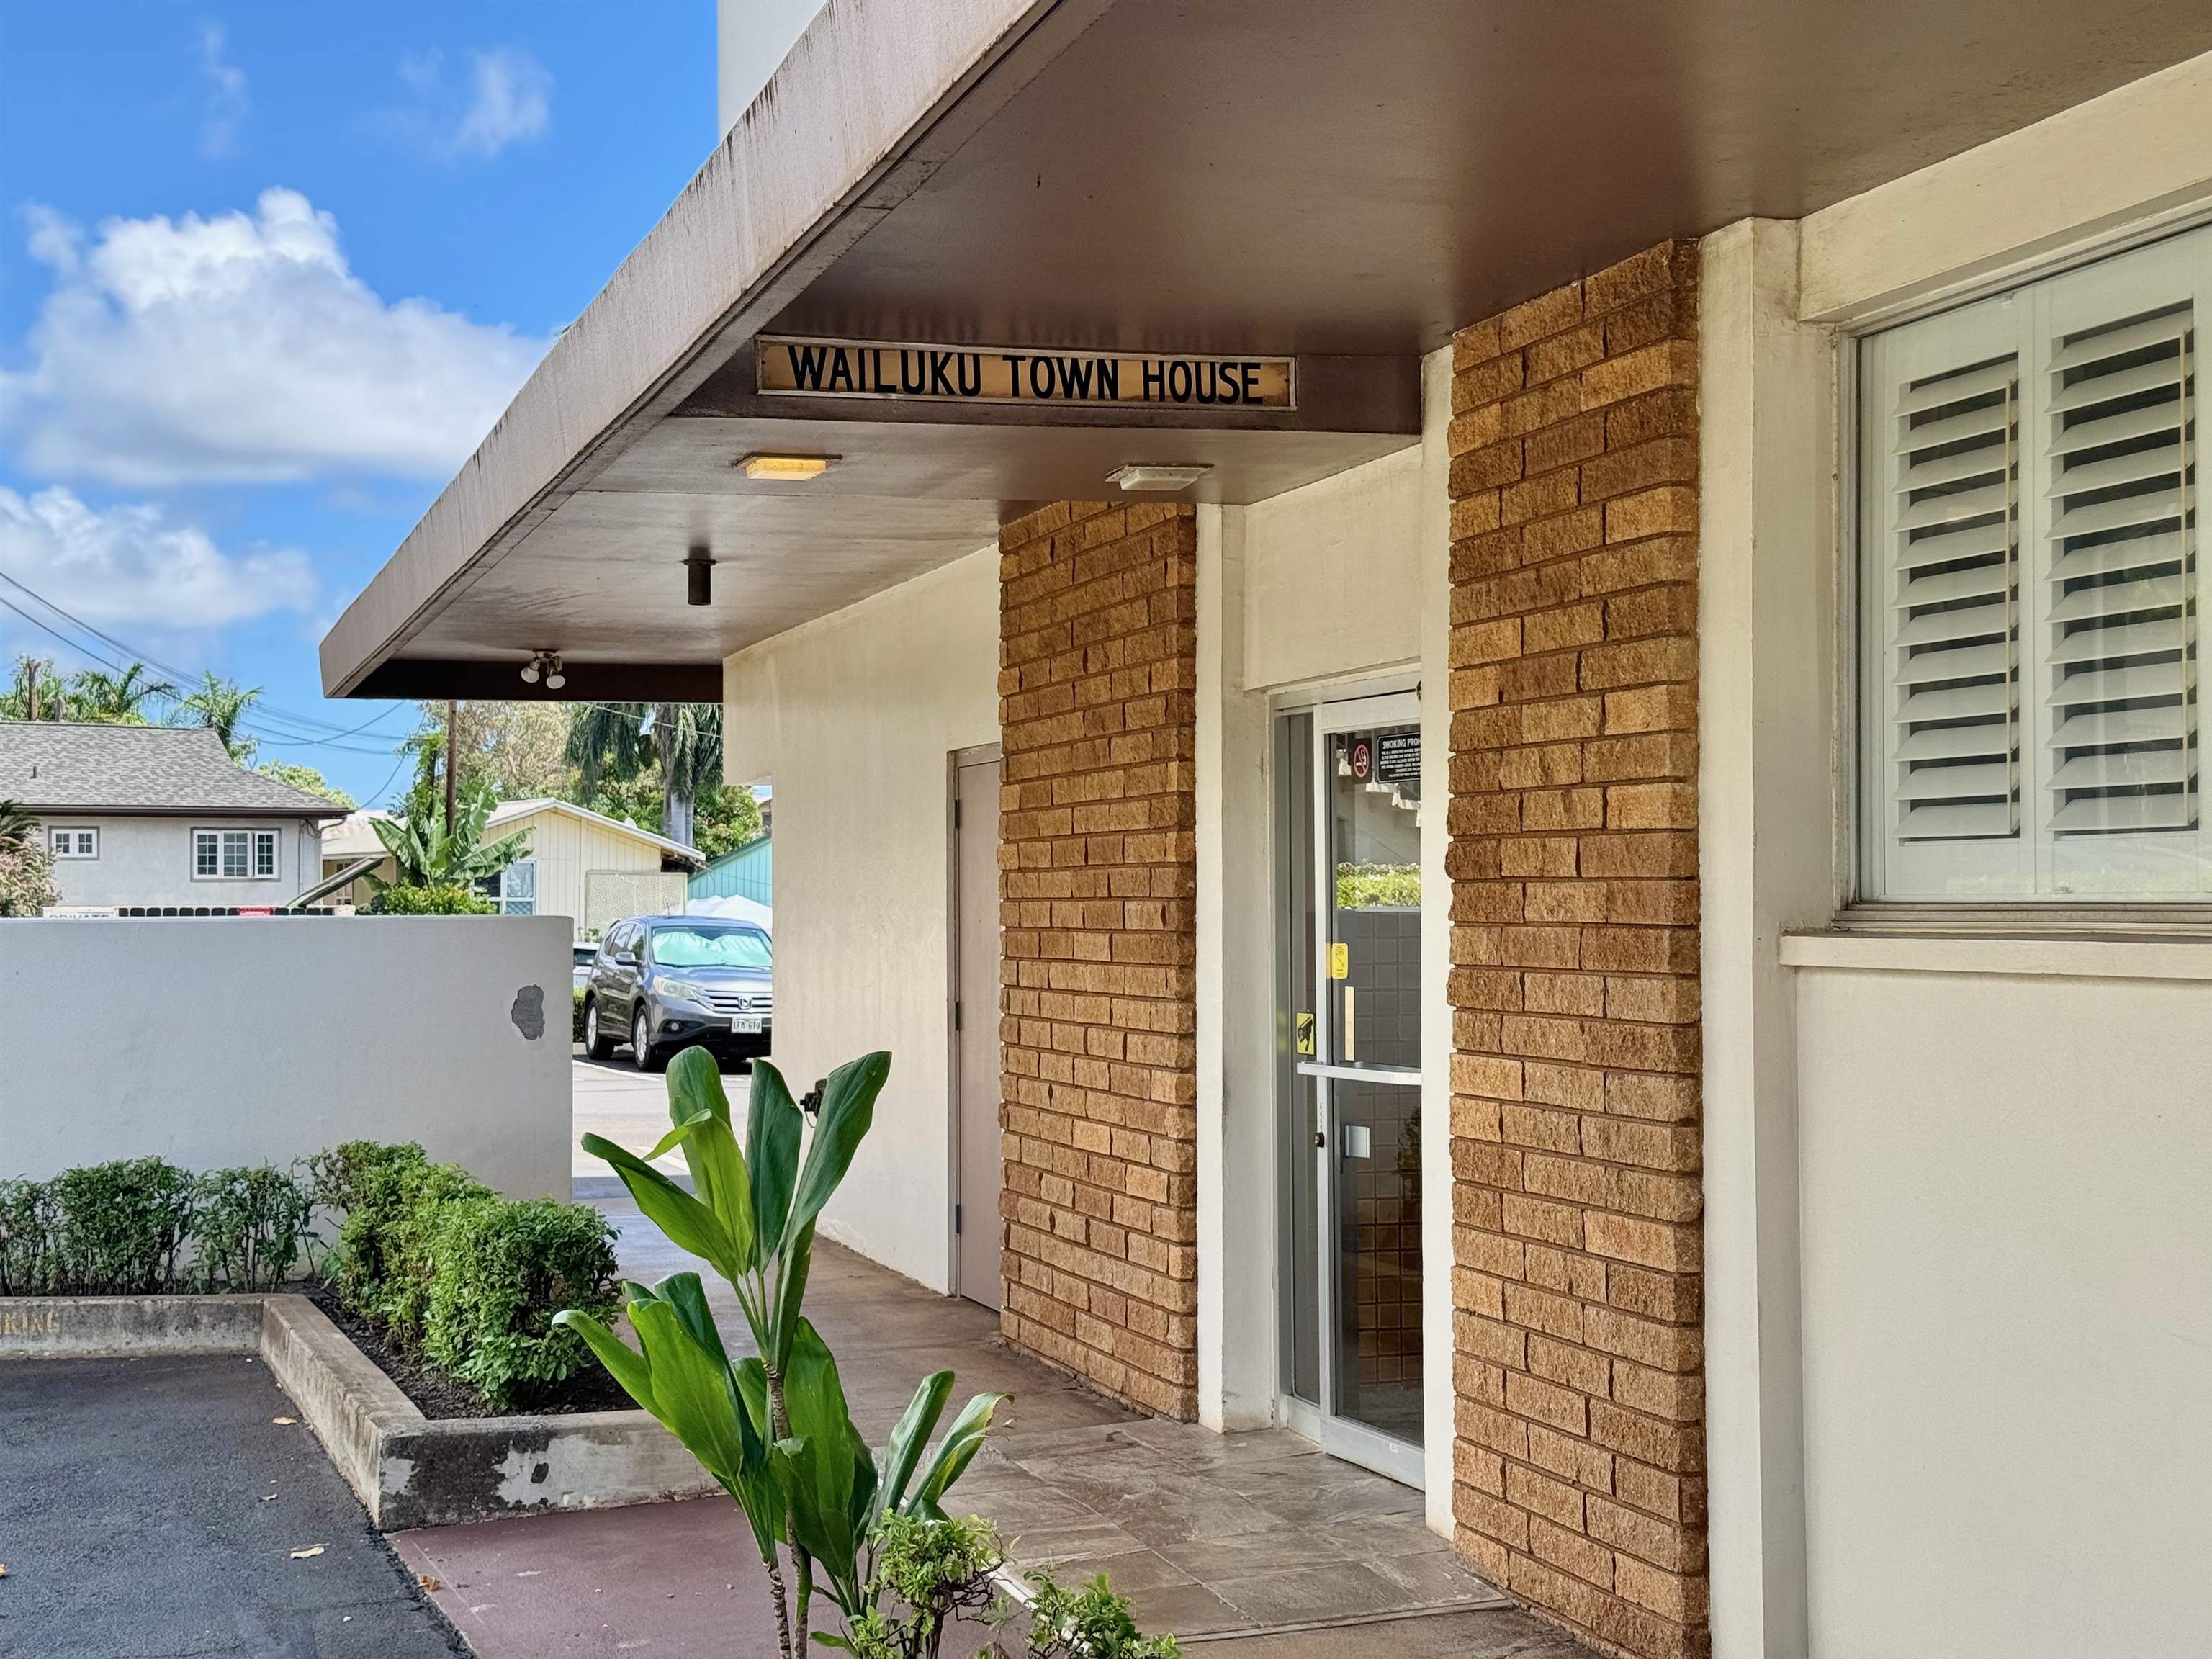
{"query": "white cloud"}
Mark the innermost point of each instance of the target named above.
(126, 565)
(509, 98)
(242, 348)
(224, 110)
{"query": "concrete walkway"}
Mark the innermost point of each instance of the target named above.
(1258, 1542)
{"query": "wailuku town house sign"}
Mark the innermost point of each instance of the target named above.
(990, 375)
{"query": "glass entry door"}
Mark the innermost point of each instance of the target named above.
(1348, 894)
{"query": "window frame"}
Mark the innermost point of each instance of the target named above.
(1861, 803)
(494, 887)
(74, 831)
(256, 838)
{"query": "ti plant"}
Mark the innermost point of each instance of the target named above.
(773, 1429)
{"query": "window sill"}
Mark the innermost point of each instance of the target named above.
(2043, 955)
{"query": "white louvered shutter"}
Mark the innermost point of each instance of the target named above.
(2120, 649)
(1953, 650)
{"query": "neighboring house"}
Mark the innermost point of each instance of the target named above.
(160, 817)
(579, 864)
(746, 871)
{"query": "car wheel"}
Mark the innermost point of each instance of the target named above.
(597, 1043)
(642, 1045)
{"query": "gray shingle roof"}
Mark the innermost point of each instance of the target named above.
(45, 765)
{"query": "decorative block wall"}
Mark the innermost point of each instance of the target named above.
(1097, 869)
(1579, 1451)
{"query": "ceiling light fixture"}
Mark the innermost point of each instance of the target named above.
(785, 469)
(1141, 476)
(544, 665)
(698, 577)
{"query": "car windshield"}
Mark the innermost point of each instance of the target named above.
(585, 953)
(709, 947)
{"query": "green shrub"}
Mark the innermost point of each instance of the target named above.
(576, 1022)
(440, 899)
(370, 1184)
(411, 1246)
(1370, 886)
(500, 1272)
(249, 1228)
(30, 1223)
(123, 1226)
(1090, 1623)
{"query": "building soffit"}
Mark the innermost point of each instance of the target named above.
(1243, 177)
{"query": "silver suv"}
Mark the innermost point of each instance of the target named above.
(661, 983)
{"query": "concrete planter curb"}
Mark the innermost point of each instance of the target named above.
(407, 1470)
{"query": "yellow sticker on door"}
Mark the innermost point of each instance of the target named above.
(1340, 962)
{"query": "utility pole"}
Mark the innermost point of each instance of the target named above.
(452, 753)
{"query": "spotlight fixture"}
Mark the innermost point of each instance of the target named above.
(698, 577)
(785, 469)
(1165, 480)
(530, 672)
(544, 665)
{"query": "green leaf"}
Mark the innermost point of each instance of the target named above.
(690, 1224)
(954, 1453)
(701, 1114)
(790, 1292)
(624, 1364)
(694, 1085)
(773, 1128)
(690, 1390)
(826, 1467)
(849, 1106)
(686, 1293)
(910, 1438)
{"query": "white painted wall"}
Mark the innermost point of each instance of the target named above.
(852, 718)
(2008, 1306)
(1333, 582)
(149, 860)
(218, 1041)
(1957, 1284)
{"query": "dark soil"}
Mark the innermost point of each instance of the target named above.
(436, 1395)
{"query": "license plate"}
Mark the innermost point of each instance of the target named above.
(746, 1024)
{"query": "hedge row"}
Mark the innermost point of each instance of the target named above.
(443, 1266)
(142, 1227)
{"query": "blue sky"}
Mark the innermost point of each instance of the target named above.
(268, 271)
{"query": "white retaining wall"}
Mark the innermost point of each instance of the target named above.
(226, 1040)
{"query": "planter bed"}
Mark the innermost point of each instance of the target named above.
(409, 1469)
(440, 1397)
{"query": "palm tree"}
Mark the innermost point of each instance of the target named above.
(118, 699)
(220, 705)
(36, 694)
(616, 742)
(18, 829)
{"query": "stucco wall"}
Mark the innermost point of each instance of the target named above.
(149, 860)
(2007, 1309)
(1332, 575)
(227, 1040)
(852, 718)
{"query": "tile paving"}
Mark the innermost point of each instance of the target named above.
(1257, 1542)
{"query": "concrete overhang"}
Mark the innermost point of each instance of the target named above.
(1344, 185)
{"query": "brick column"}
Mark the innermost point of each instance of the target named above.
(1097, 867)
(1577, 1282)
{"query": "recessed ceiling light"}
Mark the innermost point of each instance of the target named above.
(786, 469)
(1165, 479)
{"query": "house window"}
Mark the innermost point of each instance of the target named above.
(2030, 592)
(233, 855)
(514, 887)
(73, 843)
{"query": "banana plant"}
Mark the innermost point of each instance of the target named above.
(772, 1429)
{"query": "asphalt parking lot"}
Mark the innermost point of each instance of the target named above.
(150, 1510)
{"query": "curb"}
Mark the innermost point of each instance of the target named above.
(407, 1470)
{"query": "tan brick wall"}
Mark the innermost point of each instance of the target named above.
(1579, 1454)
(1097, 865)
